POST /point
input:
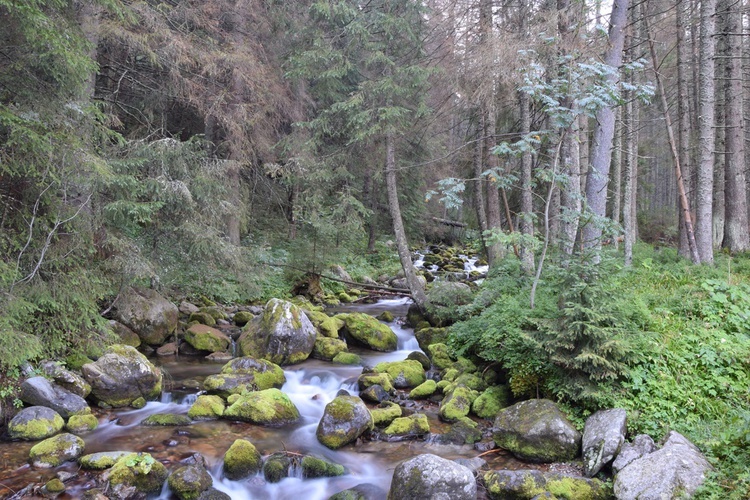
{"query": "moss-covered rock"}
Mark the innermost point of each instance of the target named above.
(326, 325)
(241, 318)
(385, 413)
(344, 420)
(530, 484)
(424, 390)
(269, 407)
(276, 467)
(55, 450)
(327, 348)
(78, 424)
(440, 356)
(422, 358)
(282, 335)
(122, 376)
(202, 318)
(430, 476)
(451, 374)
(405, 374)
(189, 482)
(245, 374)
(166, 419)
(374, 394)
(207, 407)
(347, 358)
(76, 360)
(148, 314)
(344, 297)
(491, 401)
(463, 431)
(369, 332)
(68, 380)
(363, 491)
(313, 467)
(138, 471)
(384, 380)
(205, 338)
(472, 381)
(457, 404)
(35, 423)
(54, 487)
(241, 460)
(215, 311)
(443, 385)
(413, 426)
(102, 460)
(428, 336)
(386, 316)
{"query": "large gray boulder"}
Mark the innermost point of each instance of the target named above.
(245, 374)
(148, 314)
(429, 477)
(38, 391)
(35, 423)
(205, 338)
(121, 376)
(344, 420)
(527, 484)
(676, 470)
(603, 436)
(283, 334)
(536, 430)
(66, 379)
(642, 445)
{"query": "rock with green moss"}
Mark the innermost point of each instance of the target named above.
(282, 335)
(54, 487)
(440, 356)
(422, 358)
(537, 431)
(35, 423)
(166, 420)
(363, 491)
(314, 467)
(276, 467)
(121, 376)
(457, 404)
(207, 407)
(79, 424)
(55, 450)
(136, 475)
(202, 318)
(344, 297)
(529, 484)
(241, 460)
(241, 318)
(386, 316)
(415, 316)
(189, 481)
(451, 374)
(491, 401)
(347, 358)
(374, 394)
(215, 311)
(428, 336)
(430, 476)
(102, 460)
(344, 420)
(326, 325)
(463, 431)
(68, 380)
(245, 374)
(385, 413)
(39, 391)
(76, 360)
(405, 374)
(424, 390)
(269, 407)
(205, 338)
(412, 427)
(384, 380)
(331, 300)
(148, 314)
(443, 385)
(327, 348)
(371, 333)
(472, 381)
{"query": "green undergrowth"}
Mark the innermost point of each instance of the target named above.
(666, 340)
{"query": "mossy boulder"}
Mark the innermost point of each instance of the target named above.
(35, 423)
(371, 333)
(241, 318)
(276, 467)
(136, 475)
(457, 404)
(55, 450)
(344, 297)
(54, 487)
(385, 413)
(314, 467)
(430, 335)
(327, 348)
(430, 476)
(472, 381)
(121, 376)
(328, 326)
(385, 316)
(491, 401)
(205, 338)
(344, 420)
(412, 427)
(531, 484)
(269, 407)
(423, 359)
(463, 431)
(148, 314)
(102, 460)
(440, 355)
(166, 420)
(384, 380)
(347, 358)
(207, 407)
(282, 335)
(241, 460)
(79, 424)
(215, 311)
(374, 394)
(424, 390)
(245, 374)
(364, 491)
(537, 431)
(68, 380)
(405, 374)
(202, 318)
(189, 482)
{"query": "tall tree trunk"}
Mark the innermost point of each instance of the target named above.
(617, 173)
(477, 162)
(705, 179)
(494, 219)
(720, 157)
(683, 117)
(415, 285)
(598, 176)
(736, 237)
(369, 194)
(527, 202)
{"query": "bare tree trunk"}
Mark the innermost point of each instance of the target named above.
(705, 180)
(630, 173)
(479, 179)
(683, 117)
(720, 157)
(494, 219)
(736, 237)
(601, 156)
(415, 286)
(527, 202)
(617, 174)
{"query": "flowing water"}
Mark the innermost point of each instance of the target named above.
(311, 385)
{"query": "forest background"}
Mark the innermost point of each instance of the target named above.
(228, 148)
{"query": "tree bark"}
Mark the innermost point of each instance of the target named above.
(527, 202)
(630, 174)
(598, 175)
(684, 124)
(479, 179)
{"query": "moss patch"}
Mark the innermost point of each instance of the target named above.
(491, 401)
(206, 407)
(241, 460)
(384, 380)
(347, 358)
(82, 423)
(327, 348)
(414, 425)
(385, 413)
(56, 450)
(138, 470)
(268, 407)
(370, 332)
(408, 373)
(166, 419)
(102, 460)
(424, 390)
(313, 467)
(457, 404)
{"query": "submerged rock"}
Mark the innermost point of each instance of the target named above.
(344, 420)
(122, 376)
(35, 423)
(431, 477)
(148, 314)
